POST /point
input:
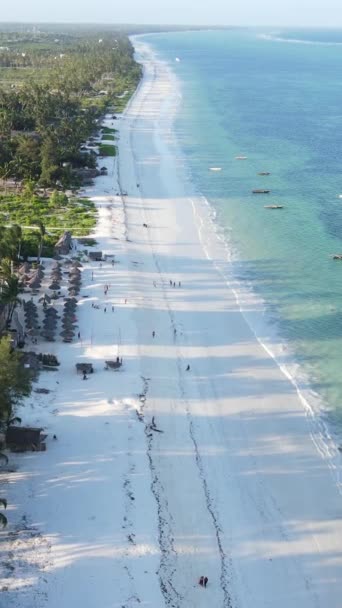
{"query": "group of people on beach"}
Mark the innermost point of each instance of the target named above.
(203, 581)
(173, 283)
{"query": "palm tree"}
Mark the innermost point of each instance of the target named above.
(17, 234)
(41, 240)
(10, 290)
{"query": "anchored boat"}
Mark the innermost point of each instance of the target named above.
(260, 191)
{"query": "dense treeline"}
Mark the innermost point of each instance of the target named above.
(46, 115)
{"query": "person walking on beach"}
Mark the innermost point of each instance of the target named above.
(170, 283)
(201, 581)
(112, 308)
(84, 375)
(188, 368)
(105, 309)
(79, 335)
(174, 284)
(205, 581)
(179, 283)
(92, 276)
(153, 334)
(175, 332)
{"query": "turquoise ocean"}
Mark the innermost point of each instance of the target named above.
(274, 96)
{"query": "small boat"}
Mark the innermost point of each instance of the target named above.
(273, 207)
(240, 157)
(260, 191)
(337, 256)
(264, 173)
(215, 169)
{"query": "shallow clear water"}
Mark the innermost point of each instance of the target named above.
(265, 95)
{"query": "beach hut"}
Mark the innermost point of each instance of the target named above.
(21, 439)
(95, 256)
(84, 368)
(64, 244)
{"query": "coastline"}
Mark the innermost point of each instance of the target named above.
(232, 486)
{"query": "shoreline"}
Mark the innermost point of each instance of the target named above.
(160, 474)
(254, 309)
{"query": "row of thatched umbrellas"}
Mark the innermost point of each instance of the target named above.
(69, 319)
(74, 278)
(50, 313)
(31, 317)
(32, 277)
(50, 323)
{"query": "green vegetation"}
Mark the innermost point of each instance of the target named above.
(55, 85)
(53, 90)
(15, 381)
(37, 238)
(107, 150)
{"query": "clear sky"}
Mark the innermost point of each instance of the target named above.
(210, 12)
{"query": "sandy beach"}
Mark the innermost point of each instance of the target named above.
(161, 474)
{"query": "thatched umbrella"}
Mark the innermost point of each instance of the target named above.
(55, 286)
(51, 311)
(31, 312)
(69, 310)
(68, 319)
(67, 333)
(74, 270)
(56, 274)
(77, 264)
(50, 319)
(34, 282)
(50, 324)
(75, 281)
(37, 272)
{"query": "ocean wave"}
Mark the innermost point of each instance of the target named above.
(276, 38)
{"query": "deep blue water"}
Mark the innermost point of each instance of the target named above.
(276, 97)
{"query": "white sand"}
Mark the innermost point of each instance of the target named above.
(234, 487)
